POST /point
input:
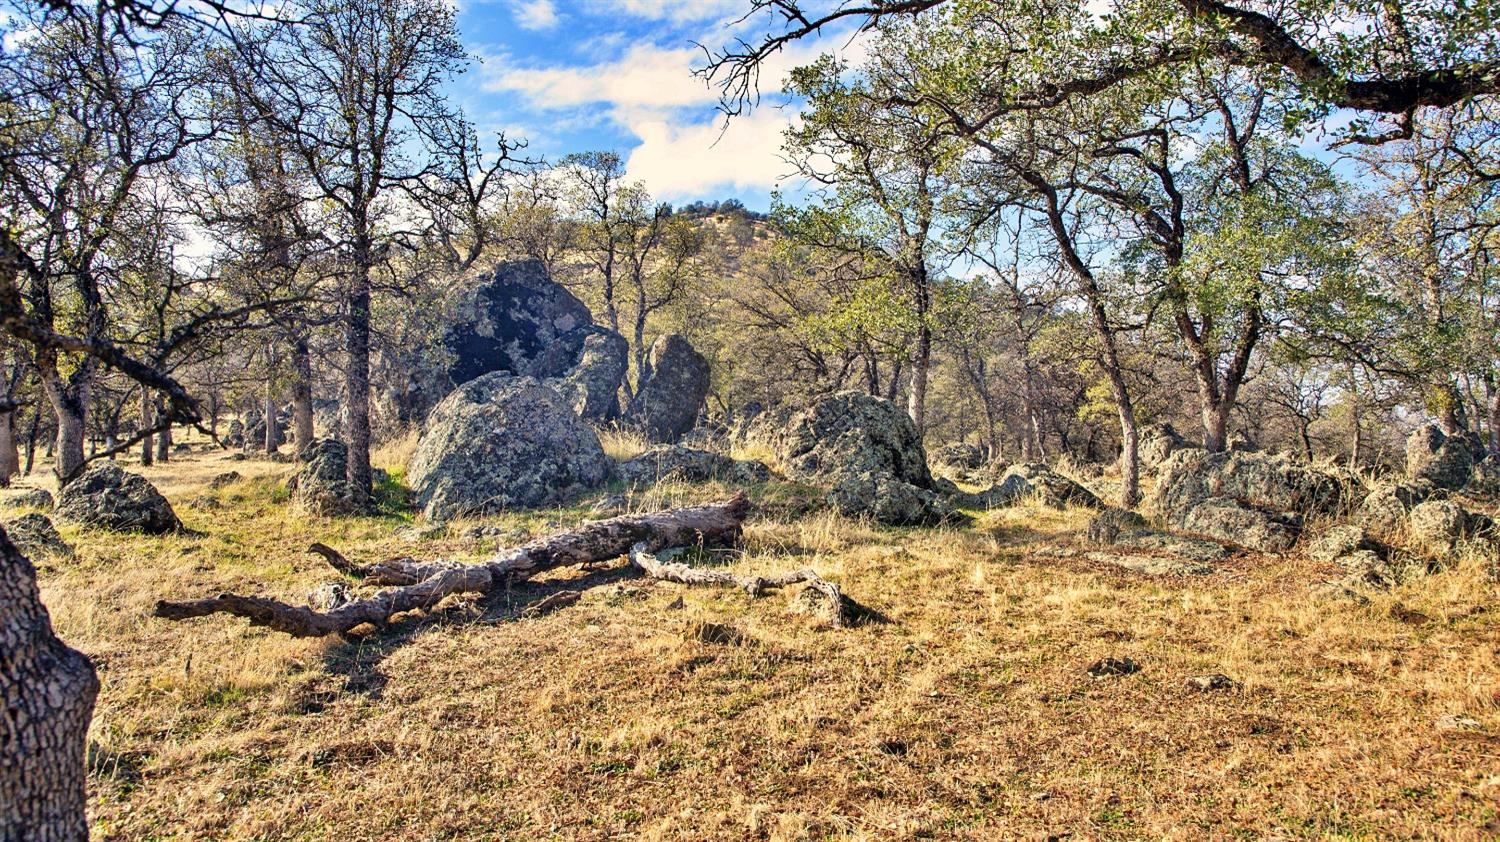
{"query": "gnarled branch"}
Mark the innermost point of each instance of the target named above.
(427, 583)
(641, 557)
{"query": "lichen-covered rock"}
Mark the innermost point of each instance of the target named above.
(668, 461)
(110, 498)
(34, 535)
(32, 498)
(1157, 442)
(1335, 542)
(959, 455)
(322, 486)
(852, 433)
(225, 478)
(865, 450)
(503, 442)
(593, 385)
(1255, 500)
(516, 319)
(1229, 520)
(888, 500)
(1437, 528)
(1444, 461)
(1108, 525)
(1385, 509)
(1037, 481)
(672, 392)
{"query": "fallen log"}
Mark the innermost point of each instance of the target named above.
(642, 557)
(424, 584)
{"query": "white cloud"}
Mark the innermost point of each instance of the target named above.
(685, 150)
(646, 77)
(688, 161)
(535, 14)
(681, 11)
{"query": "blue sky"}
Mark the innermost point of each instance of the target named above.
(574, 75)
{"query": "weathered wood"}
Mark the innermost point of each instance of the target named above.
(642, 558)
(427, 583)
(47, 695)
(548, 604)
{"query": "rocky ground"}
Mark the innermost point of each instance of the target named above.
(1020, 681)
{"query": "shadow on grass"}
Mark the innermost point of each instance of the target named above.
(358, 659)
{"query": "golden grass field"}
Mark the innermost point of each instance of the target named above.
(969, 715)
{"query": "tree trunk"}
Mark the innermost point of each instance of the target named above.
(273, 433)
(421, 585)
(302, 404)
(916, 403)
(895, 387)
(69, 405)
(10, 454)
(357, 377)
(48, 691)
(31, 434)
(1495, 420)
(146, 421)
(1216, 425)
(163, 438)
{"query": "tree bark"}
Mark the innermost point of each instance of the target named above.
(147, 408)
(357, 377)
(421, 585)
(48, 691)
(10, 454)
(916, 402)
(273, 433)
(69, 404)
(163, 438)
(302, 404)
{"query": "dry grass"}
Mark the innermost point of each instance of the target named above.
(968, 716)
(622, 443)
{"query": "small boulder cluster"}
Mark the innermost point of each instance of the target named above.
(529, 372)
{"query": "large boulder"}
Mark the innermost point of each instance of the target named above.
(1157, 442)
(671, 391)
(1437, 528)
(1433, 457)
(322, 486)
(34, 535)
(593, 385)
(674, 461)
(1256, 500)
(888, 500)
(516, 319)
(1385, 509)
(31, 498)
(110, 498)
(1033, 480)
(851, 433)
(866, 451)
(503, 442)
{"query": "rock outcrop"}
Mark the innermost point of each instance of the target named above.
(1256, 500)
(517, 320)
(322, 486)
(32, 498)
(110, 498)
(1035, 481)
(34, 535)
(690, 464)
(671, 392)
(1438, 528)
(1157, 442)
(1443, 461)
(593, 385)
(866, 451)
(503, 442)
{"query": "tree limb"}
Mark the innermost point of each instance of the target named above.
(596, 541)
